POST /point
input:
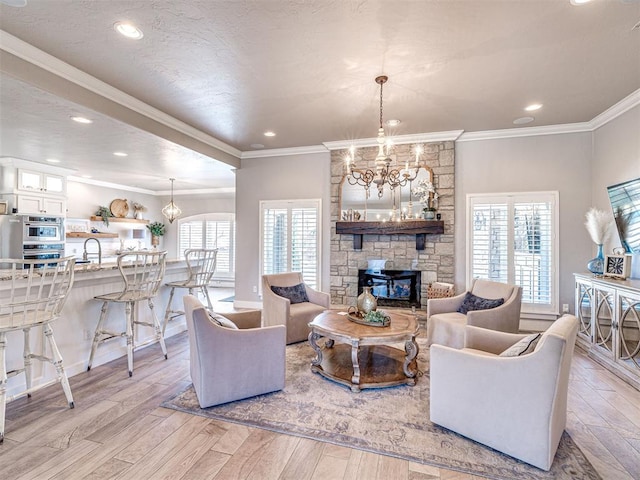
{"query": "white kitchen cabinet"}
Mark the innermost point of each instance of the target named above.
(41, 182)
(40, 204)
(609, 331)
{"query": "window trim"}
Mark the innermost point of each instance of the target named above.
(297, 203)
(214, 217)
(509, 198)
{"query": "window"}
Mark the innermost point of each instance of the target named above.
(512, 238)
(290, 233)
(210, 231)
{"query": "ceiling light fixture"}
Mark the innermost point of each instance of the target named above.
(578, 2)
(533, 107)
(269, 133)
(128, 30)
(393, 122)
(120, 154)
(384, 172)
(14, 3)
(523, 120)
(171, 210)
(81, 119)
(53, 160)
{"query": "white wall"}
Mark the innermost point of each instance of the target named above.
(276, 178)
(616, 159)
(542, 163)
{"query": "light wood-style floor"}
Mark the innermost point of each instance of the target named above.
(117, 430)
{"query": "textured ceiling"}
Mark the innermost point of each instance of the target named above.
(306, 70)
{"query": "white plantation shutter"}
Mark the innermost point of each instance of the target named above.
(513, 239)
(291, 238)
(210, 231)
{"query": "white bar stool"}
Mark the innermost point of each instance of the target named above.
(201, 263)
(142, 274)
(36, 296)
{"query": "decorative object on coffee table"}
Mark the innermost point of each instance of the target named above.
(375, 318)
(366, 302)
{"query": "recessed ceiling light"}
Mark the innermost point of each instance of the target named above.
(14, 3)
(394, 122)
(128, 30)
(578, 2)
(120, 154)
(523, 120)
(269, 134)
(81, 119)
(257, 145)
(53, 160)
(533, 107)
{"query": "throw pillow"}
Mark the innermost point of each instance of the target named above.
(221, 321)
(522, 347)
(296, 293)
(472, 302)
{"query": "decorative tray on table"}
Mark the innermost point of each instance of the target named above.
(375, 318)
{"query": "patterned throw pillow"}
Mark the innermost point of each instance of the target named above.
(296, 293)
(471, 302)
(522, 347)
(221, 321)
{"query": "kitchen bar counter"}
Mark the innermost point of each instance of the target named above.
(76, 326)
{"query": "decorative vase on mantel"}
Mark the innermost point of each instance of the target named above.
(366, 301)
(428, 214)
(596, 265)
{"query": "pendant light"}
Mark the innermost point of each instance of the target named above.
(171, 210)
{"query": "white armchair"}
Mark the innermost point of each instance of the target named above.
(277, 310)
(446, 326)
(228, 364)
(516, 405)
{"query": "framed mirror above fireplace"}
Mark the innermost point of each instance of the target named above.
(353, 200)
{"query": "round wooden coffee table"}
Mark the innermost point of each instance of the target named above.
(361, 356)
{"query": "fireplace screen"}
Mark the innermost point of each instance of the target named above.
(394, 288)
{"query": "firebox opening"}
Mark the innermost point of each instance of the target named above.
(393, 288)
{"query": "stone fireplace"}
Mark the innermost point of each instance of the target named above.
(392, 288)
(434, 262)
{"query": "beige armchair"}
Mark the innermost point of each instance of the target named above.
(446, 326)
(228, 364)
(277, 310)
(516, 405)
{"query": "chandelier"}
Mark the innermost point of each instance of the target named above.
(385, 172)
(171, 210)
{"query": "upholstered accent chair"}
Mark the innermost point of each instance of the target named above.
(516, 405)
(228, 364)
(446, 325)
(278, 310)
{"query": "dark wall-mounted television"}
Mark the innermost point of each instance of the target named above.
(625, 202)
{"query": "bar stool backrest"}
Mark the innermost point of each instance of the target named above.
(142, 273)
(201, 263)
(37, 291)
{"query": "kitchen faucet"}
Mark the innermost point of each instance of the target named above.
(85, 254)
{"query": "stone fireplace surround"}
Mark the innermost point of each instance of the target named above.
(436, 261)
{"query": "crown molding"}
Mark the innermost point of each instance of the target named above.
(525, 132)
(282, 152)
(159, 193)
(43, 60)
(451, 135)
(624, 105)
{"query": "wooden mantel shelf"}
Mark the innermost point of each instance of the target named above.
(419, 228)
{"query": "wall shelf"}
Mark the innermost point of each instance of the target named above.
(419, 228)
(93, 218)
(89, 235)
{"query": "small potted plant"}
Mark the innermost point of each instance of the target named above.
(105, 213)
(428, 196)
(157, 230)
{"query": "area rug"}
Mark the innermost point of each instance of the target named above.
(392, 421)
